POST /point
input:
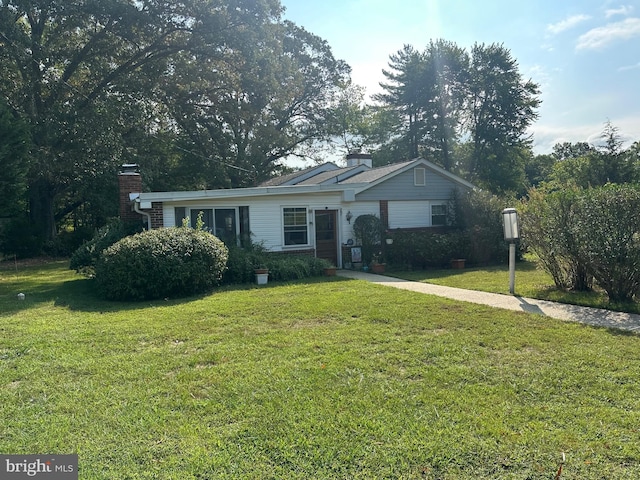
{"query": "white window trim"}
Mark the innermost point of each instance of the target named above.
(297, 246)
(419, 180)
(437, 204)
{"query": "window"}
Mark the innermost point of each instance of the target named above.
(222, 222)
(181, 214)
(419, 177)
(438, 215)
(207, 218)
(295, 226)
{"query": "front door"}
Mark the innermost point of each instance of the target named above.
(326, 235)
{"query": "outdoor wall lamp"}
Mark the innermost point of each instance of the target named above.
(511, 234)
(349, 216)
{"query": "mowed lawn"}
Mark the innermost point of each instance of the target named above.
(322, 379)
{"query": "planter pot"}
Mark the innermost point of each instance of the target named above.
(457, 263)
(262, 276)
(330, 271)
(378, 267)
(357, 265)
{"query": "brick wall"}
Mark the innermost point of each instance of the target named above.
(157, 217)
(129, 183)
(308, 251)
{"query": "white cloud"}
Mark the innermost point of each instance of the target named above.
(624, 10)
(545, 136)
(566, 24)
(629, 67)
(539, 74)
(600, 37)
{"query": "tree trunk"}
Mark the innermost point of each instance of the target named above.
(41, 210)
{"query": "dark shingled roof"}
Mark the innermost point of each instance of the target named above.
(374, 174)
(274, 182)
(324, 176)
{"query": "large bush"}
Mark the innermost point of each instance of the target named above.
(85, 257)
(595, 232)
(168, 262)
(547, 224)
(479, 216)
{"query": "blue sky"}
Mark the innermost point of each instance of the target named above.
(584, 54)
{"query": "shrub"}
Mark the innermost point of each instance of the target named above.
(85, 257)
(607, 232)
(282, 267)
(479, 215)
(368, 230)
(421, 249)
(20, 238)
(547, 222)
(160, 263)
(590, 235)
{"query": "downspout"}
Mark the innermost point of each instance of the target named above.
(136, 208)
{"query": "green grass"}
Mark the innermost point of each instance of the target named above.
(324, 379)
(530, 282)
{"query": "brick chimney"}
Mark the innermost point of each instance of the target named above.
(129, 181)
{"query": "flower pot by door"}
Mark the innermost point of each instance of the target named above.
(330, 271)
(378, 267)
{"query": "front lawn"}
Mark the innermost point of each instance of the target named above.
(530, 282)
(322, 379)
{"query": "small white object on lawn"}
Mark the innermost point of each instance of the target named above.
(21, 296)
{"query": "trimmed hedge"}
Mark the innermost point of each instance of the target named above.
(282, 267)
(168, 262)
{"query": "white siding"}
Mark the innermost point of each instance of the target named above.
(265, 214)
(168, 215)
(357, 209)
(409, 214)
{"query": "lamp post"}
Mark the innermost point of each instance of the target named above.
(511, 234)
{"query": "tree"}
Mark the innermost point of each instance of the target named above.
(444, 94)
(403, 93)
(241, 117)
(566, 150)
(587, 166)
(502, 106)
(538, 169)
(14, 162)
(445, 77)
(212, 86)
(70, 68)
(426, 90)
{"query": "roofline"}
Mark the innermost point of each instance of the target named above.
(247, 192)
(411, 164)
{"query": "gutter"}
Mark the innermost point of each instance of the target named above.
(136, 208)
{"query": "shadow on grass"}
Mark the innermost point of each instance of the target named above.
(79, 294)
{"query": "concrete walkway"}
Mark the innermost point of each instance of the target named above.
(587, 315)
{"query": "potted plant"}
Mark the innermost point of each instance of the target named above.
(262, 274)
(377, 263)
(330, 271)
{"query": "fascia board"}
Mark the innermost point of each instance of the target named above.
(246, 192)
